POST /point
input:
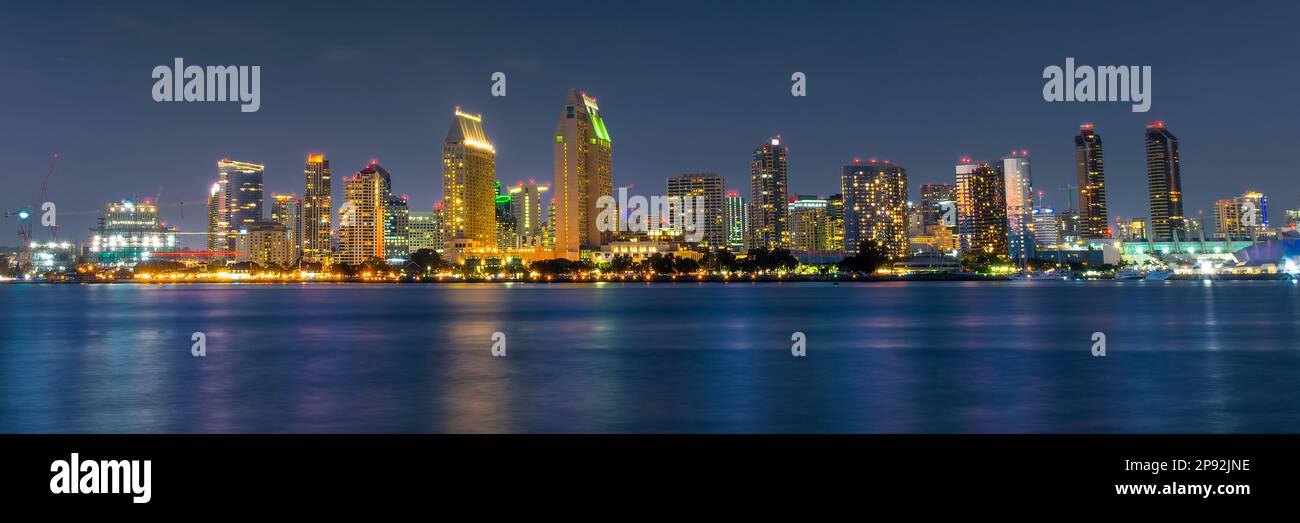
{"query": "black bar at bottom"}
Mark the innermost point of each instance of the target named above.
(316, 472)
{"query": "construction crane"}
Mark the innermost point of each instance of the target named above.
(24, 216)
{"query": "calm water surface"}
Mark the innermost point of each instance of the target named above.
(687, 357)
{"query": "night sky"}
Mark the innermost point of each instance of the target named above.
(683, 88)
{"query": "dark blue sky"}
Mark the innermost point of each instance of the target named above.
(684, 87)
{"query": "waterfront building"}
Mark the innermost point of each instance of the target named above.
(1046, 227)
(469, 180)
(808, 223)
(1090, 172)
(933, 196)
(982, 207)
(397, 219)
(583, 172)
(1164, 183)
(1241, 217)
(130, 232)
(768, 197)
(265, 243)
(361, 228)
(241, 192)
(507, 225)
(737, 221)
(834, 224)
(875, 207)
(1070, 225)
(424, 231)
(526, 201)
(286, 209)
(317, 211)
(1020, 206)
(1135, 230)
(217, 226)
(708, 190)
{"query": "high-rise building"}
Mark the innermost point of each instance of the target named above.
(583, 173)
(1020, 206)
(507, 236)
(1046, 227)
(397, 219)
(982, 207)
(768, 197)
(286, 209)
(317, 210)
(1091, 174)
(217, 226)
(469, 181)
(265, 243)
(707, 189)
(1164, 183)
(875, 207)
(834, 223)
(1070, 226)
(737, 221)
(808, 223)
(1134, 230)
(129, 232)
(933, 196)
(1292, 217)
(526, 200)
(243, 191)
(424, 231)
(1241, 217)
(361, 227)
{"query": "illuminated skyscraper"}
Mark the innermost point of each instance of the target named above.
(469, 181)
(708, 189)
(875, 207)
(240, 192)
(424, 231)
(737, 221)
(265, 243)
(807, 220)
(217, 226)
(243, 192)
(768, 197)
(361, 227)
(397, 219)
(982, 207)
(286, 209)
(933, 196)
(1164, 184)
(1020, 206)
(583, 173)
(526, 200)
(1091, 174)
(1241, 217)
(507, 236)
(1046, 227)
(834, 223)
(317, 209)
(1133, 230)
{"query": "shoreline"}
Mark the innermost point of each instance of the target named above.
(655, 280)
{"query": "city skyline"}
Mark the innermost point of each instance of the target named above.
(720, 108)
